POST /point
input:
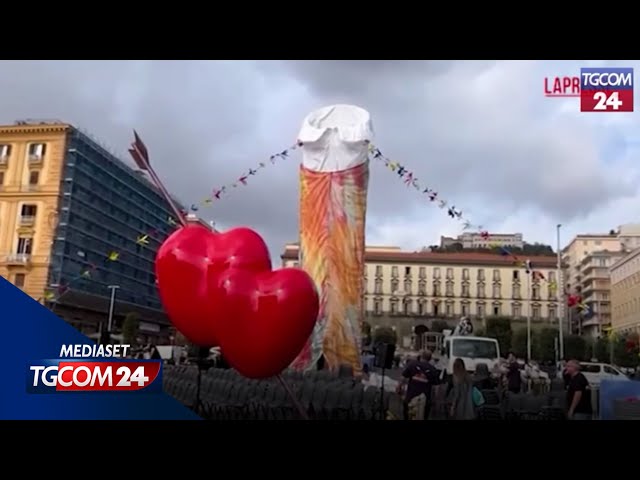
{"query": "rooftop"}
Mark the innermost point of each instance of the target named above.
(448, 258)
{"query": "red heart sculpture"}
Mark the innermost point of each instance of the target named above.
(184, 264)
(271, 316)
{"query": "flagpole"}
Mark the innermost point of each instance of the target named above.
(529, 316)
(560, 295)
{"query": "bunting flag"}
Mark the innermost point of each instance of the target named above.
(219, 192)
(54, 294)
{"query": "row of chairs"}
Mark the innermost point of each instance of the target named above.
(230, 396)
(522, 406)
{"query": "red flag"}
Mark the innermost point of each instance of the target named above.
(139, 152)
(142, 148)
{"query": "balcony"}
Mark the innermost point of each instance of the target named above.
(27, 220)
(17, 259)
(4, 160)
(35, 159)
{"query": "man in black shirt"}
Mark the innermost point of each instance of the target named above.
(514, 378)
(421, 376)
(578, 393)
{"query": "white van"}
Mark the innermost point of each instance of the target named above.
(472, 350)
(596, 372)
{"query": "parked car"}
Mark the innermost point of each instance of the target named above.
(596, 372)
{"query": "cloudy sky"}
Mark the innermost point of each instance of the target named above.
(479, 132)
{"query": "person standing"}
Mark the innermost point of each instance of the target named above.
(514, 377)
(420, 375)
(462, 407)
(578, 393)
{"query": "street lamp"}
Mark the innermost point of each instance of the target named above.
(113, 289)
(560, 295)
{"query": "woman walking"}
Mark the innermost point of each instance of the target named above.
(462, 405)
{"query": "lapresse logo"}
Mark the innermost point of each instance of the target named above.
(94, 368)
(599, 89)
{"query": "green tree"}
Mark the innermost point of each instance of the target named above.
(479, 332)
(500, 329)
(544, 344)
(385, 335)
(625, 350)
(438, 326)
(601, 350)
(575, 346)
(130, 328)
(519, 344)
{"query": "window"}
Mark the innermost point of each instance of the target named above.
(535, 292)
(5, 152)
(19, 280)
(436, 272)
(421, 308)
(436, 289)
(481, 290)
(448, 310)
(377, 307)
(407, 270)
(472, 348)
(610, 371)
(551, 276)
(481, 274)
(37, 151)
(28, 210)
(379, 270)
(465, 290)
(465, 309)
(450, 288)
(34, 177)
(378, 286)
(394, 271)
(394, 285)
(496, 310)
(422, 288)
(516, 291)
(480, 309)
(516, 275)
(407, 304)
(535, 312)
(516, 310)
(552, 313)
(295, 264)
(24, 245)
(407, 287)
(1, 178)
(496, 291)
(602, 262)
(590, 368)
(496, 275)
(465, 274)
(436, 309)
(598, 242)
(449, 273)
(394, 307)
(422, 273)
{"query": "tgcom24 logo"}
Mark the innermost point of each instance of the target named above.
(94, 368)
(599, 89)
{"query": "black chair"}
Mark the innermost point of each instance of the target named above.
(317, 402)
(489, 413)
(331, 403)
(345, 404)
(356, 403)
(491, 397)
(368, 409)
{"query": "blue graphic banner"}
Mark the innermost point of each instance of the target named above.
(33, 335)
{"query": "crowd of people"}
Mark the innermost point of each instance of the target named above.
(463, 390)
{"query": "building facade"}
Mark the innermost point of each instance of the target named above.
(476, 240)
(625, 293)
(595, 287)
(407, 290)
(71, 216)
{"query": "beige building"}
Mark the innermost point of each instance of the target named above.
(595, 286)
(410, 289)
(475, 240)
(578, 267)
(625, 293)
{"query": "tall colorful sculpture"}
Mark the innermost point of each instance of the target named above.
(334, 178)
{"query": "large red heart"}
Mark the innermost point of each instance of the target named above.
(270, 317)
(184, 264)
